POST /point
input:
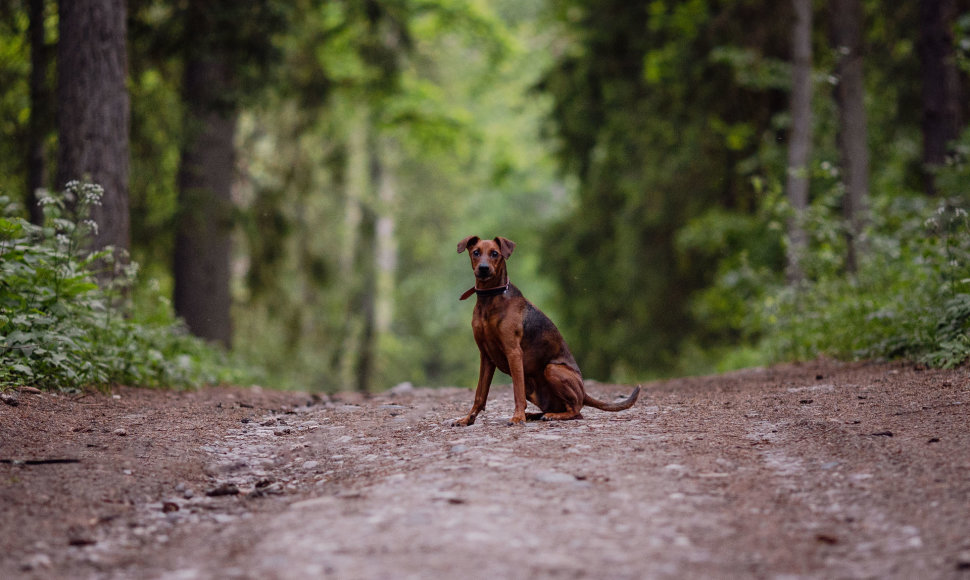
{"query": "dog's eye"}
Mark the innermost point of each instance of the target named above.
(477, 253)
(494, 254)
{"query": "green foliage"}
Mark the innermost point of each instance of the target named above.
(909, 299)
(60, 330)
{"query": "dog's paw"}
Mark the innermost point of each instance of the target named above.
(463, 422)
(516, 420)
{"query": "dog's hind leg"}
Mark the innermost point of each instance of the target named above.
(566, 385)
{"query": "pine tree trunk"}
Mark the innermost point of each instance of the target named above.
(93, 109)
(41, 109)
(357, 260)
(202, 242)
(800, 138)
(853, 134)
(386, 243)
(941, 84)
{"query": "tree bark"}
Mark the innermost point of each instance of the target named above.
(800, 138)
(853, 133)
(93, 109)
(205, 218)
(41, 109)
(941, 84)
(357, 259)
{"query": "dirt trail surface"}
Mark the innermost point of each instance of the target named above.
(816, 470)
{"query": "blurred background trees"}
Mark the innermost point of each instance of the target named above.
(300, 171)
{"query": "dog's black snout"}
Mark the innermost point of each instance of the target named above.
(484, 269)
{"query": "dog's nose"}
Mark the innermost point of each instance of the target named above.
(483, 269)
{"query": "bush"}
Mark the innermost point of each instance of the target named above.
(909, 299)
(60, 329)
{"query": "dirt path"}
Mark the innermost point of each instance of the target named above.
(802, 471)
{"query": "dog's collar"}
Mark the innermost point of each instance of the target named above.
(485, 292)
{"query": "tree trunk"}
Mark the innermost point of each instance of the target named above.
(202, 242)
(386, 243)
(356, 261)
(853, 134)
(41, 109)
(93, 109)
(941, 84)
(800, 138)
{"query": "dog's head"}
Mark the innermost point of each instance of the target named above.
(488, 256)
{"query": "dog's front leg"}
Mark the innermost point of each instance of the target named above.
(486, 370)
(518, 385)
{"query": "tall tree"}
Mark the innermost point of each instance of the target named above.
(93, 109)
(800, 136)
(41, 108)
(202, 240)
(941, 84)
(228, 50)
(852, 133)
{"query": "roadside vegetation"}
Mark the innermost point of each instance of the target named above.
(67, 315)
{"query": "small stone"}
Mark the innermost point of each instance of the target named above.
(268, 489)
(405, 387)
(283, 431)
(268, 422)
(310, 464)
(9, 399)
(223, 489)
(828, 539)
(963, 560)
(170, 506)
(120, 432)
(35, 562)
(81, 541)
(459, 449)
(30, 391)
(555, 477)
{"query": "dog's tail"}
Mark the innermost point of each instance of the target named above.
(625, 404)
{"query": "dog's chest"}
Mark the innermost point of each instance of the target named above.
(495, 331)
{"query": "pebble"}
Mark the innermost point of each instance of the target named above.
(405, 387)
(35, 561)
(310, 464)
(963, 560)
(9, 399)
(459, 449)
(554, 477)
(120, 432)
(223, 489)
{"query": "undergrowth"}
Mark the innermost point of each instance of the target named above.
(909, 298)
(66, 320)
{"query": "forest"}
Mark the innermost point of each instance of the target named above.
(262, 191)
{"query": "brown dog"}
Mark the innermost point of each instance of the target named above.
(521, 341)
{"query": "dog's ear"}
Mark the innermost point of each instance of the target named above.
(467, 242)
(506, 246)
